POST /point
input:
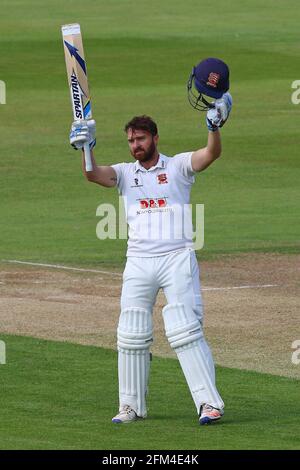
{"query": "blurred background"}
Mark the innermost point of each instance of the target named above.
(139, 57)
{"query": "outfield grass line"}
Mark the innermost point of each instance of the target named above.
(258, 286)
(59, 266)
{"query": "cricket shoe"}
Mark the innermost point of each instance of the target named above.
(209, 414)
(125, 415)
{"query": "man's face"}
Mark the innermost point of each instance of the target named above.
(142, 144)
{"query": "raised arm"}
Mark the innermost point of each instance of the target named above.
(204, 157)
(103, 175)
(216, 118)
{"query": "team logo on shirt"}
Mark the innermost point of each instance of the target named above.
(162, 178)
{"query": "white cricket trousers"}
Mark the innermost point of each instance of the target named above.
(177, 274)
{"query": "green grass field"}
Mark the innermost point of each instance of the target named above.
(139, 57)
(62, 396)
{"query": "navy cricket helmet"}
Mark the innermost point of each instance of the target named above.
(211, 78)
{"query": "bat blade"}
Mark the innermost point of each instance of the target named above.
(77, 78)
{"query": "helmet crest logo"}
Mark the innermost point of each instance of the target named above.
(213, 79)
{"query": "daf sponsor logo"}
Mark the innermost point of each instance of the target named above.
(152, 203)
(76, 96)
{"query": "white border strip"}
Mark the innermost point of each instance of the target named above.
(59, 266)
(69, 268)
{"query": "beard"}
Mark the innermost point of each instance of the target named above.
(145, 155)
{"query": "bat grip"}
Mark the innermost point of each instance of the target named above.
(87, 157)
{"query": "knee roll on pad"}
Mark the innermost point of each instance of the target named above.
(135, 329)
(181, 325)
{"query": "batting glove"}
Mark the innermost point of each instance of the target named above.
(82, 132)
(217, 116)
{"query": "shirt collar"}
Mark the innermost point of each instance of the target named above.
(161, 163)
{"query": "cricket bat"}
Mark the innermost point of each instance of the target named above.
(77, 79)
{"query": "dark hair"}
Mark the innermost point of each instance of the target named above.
(144, 123)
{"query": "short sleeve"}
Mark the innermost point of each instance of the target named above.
(183, 163)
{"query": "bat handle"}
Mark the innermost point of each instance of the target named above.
(87, 157)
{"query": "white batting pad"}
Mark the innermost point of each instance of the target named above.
(185, 336)
(134, 340)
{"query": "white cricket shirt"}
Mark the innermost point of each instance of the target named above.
(156, 204)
